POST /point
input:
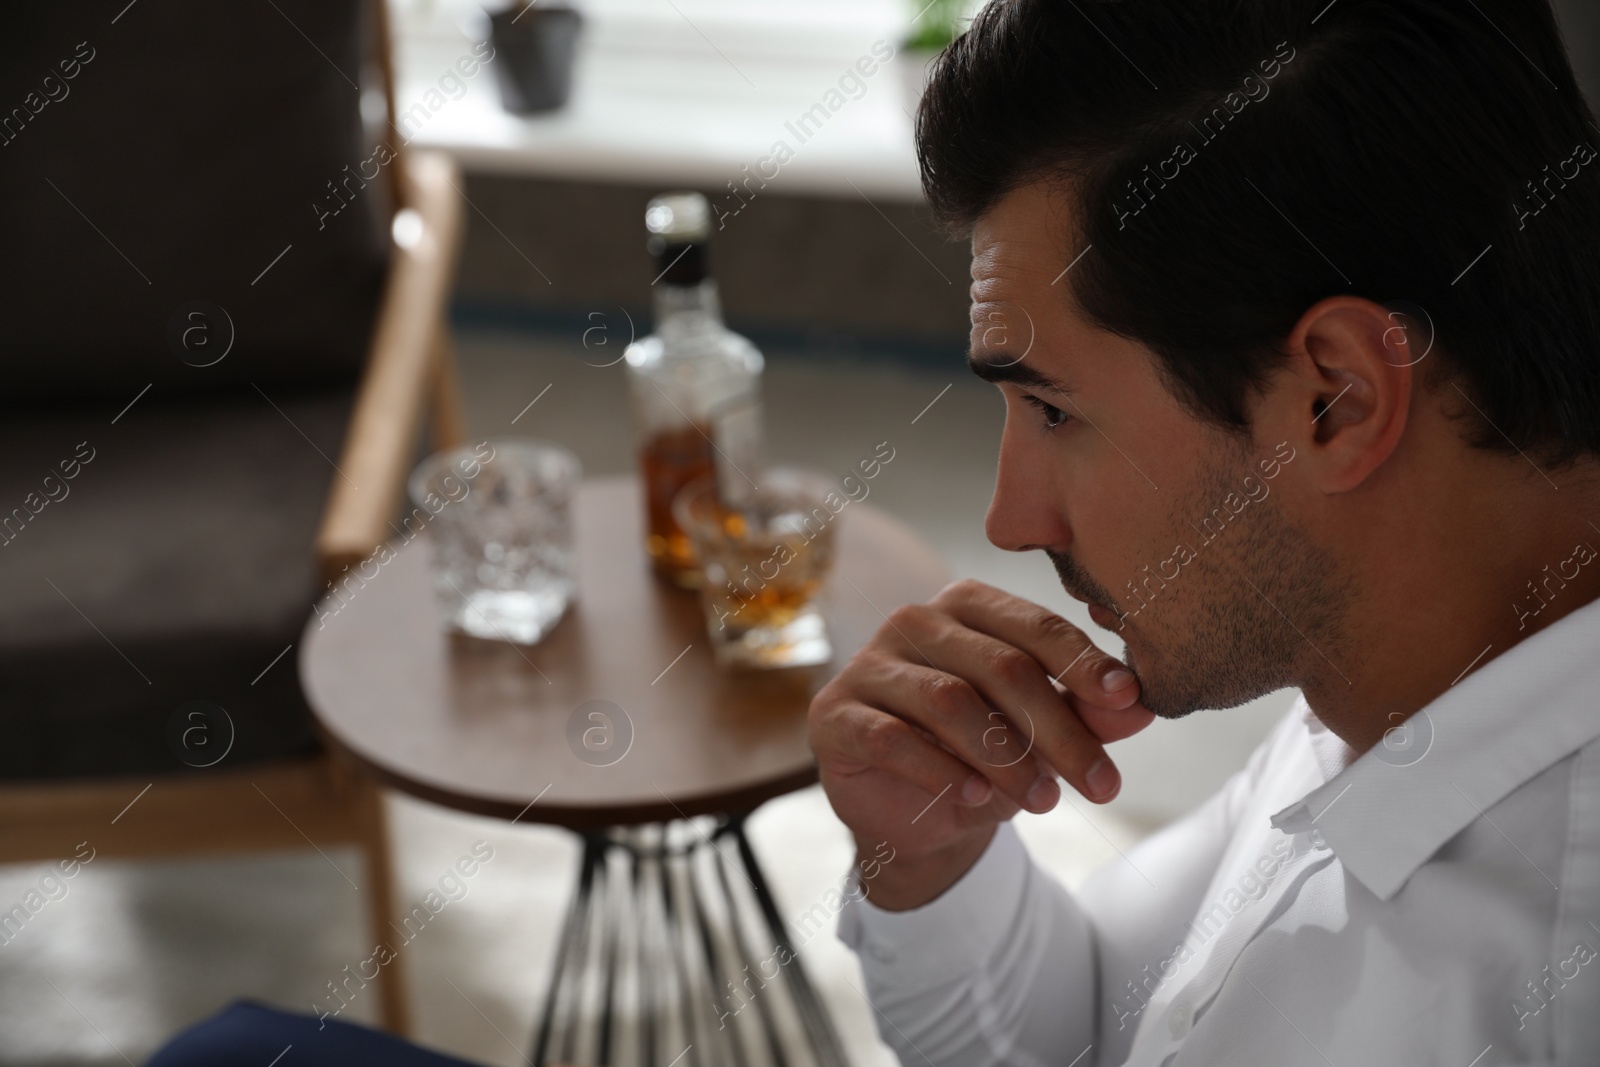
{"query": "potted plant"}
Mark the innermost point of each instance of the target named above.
(932, 29)
(535, 43)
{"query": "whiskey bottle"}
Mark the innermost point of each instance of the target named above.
(695, 385)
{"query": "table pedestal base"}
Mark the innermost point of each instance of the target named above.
(673, 954)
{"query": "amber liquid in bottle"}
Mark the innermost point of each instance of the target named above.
(669, 461)
(694, 383)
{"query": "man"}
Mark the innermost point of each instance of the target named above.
(1295, 309)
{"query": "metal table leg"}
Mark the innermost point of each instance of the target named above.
(672, 932)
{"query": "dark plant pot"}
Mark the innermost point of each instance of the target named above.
(533, 48)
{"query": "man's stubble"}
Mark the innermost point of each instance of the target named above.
(1239, 619)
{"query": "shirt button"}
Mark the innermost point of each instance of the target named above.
(882, 953)
(1180, 1018)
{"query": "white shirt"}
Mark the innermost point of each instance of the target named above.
(1436, 901)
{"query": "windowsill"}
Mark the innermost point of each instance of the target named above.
(654, 100)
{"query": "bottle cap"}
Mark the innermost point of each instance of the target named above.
(680, 232)
(679, 217)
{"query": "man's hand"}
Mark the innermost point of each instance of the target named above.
(957, 714)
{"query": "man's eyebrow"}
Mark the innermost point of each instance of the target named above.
(997, 367)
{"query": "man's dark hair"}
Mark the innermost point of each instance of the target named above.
(1375, 148)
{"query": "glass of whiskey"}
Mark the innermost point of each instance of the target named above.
(763, 561)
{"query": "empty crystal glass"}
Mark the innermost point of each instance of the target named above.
(499, 514)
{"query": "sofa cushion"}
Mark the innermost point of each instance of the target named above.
(157, 560)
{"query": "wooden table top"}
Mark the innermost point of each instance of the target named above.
(487, 727)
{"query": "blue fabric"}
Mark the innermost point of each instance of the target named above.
(253, 1035)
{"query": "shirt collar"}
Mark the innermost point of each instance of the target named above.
(1389, 811)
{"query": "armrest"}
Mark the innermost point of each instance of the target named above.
(407, 364)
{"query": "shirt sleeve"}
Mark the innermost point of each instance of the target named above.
(998, 969)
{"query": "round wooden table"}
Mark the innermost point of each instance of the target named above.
(485, 727)
(500, 729)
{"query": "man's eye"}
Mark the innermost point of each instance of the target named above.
(1052, 415)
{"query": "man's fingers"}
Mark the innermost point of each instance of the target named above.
(1065, 652)
(874, 738)
(1015, 686)
(1111, 724)
(1004, 647)
(956, 714)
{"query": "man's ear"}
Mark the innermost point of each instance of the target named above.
(1345, 393)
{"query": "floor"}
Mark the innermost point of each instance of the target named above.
(135, 951)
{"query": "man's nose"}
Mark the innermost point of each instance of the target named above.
(1024, 513)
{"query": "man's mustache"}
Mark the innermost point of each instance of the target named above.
(1077, 581)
